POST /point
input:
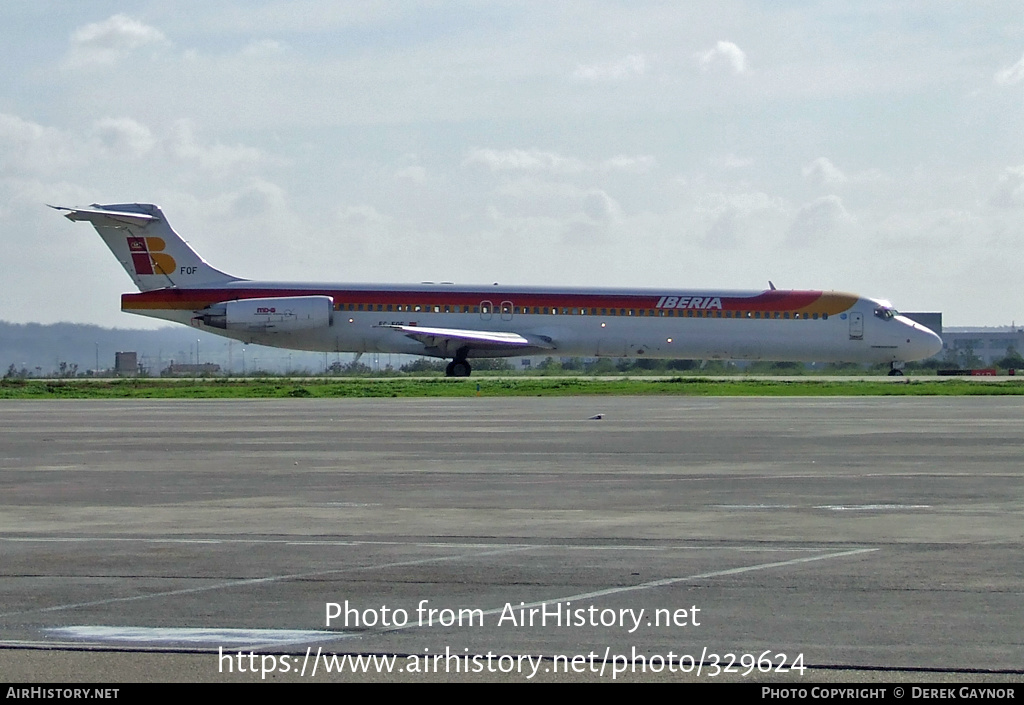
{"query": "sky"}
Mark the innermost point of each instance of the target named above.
(856, 145)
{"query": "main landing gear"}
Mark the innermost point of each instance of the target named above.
(459, 367)
(896, 369)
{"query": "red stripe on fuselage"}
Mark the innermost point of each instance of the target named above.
(195, 299)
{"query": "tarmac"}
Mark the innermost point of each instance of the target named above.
(804, 540)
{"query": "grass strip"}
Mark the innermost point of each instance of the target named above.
(274, 388)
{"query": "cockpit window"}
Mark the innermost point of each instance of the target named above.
(886, 313)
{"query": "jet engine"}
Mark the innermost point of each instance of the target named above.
(276, 315)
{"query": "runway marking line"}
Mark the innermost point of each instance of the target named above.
(258, 581)
(667, 581)
(197, 635)
(508, 549)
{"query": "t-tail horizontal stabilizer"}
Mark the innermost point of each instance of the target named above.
(142, 240)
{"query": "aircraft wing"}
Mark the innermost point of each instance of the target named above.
(448, 340)
(98, 216)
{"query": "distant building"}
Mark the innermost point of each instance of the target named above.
(930, 320)
(969, 347)
(126, 364)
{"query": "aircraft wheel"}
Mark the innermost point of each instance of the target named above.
(449, 371)
(460, 368)
(895, 373)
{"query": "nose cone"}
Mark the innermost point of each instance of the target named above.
(921, 342)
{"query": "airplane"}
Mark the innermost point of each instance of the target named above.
(463, 322)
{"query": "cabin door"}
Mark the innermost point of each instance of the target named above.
(856, 326)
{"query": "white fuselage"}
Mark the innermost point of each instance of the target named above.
(746, 325)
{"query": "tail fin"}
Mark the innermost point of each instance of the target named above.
(154, 256)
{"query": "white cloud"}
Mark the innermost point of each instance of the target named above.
(724, 231)
(747, 218)
(523, 160)
(730, 161)
(552, 162)
(726, 52)
(1010, 74)
(263, 47)
(415, 174)
(107, 41)
(823, 171)
(124, 137)
(601, 207)
(1010, 188)
(637, 164)
(817, 221)
(29, 147)
(632, 65)
(258, 199)
(533, 197)
(219, 159)
(362, 217)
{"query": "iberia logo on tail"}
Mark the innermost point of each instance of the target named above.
(149, 257)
